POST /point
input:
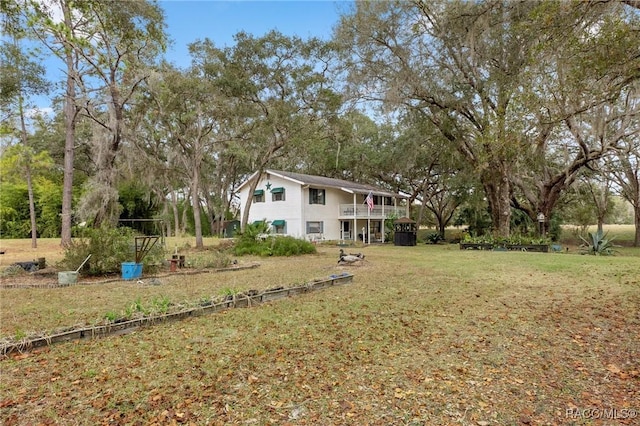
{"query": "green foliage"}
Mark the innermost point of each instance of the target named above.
(49, 204)
(109, 247)
(517, 240)
(111, 316)
(555, 228)
(433, 238)
(228, 291)
(250, 241)
(15, 221)
(389, 230)
(14, 211)
(161, 304)
(477, 219)
(597, 244)
(157, 306)
(19, 335)
(290, 246)
(256, 240)
(138, 202)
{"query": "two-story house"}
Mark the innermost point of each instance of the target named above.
(316, 207)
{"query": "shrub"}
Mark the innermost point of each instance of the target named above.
(255, 240)
(289, 246)
(109, 247)
(503, 241)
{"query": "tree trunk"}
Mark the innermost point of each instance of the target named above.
(27, 158)
(106, 164)
(195, 203)
(176, 216)
(498, 192)
(636, 213)
(247, 206)
(424, 191)
(70, 111)
(32, 208)
(183, 227)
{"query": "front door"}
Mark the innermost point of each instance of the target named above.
(345, 230)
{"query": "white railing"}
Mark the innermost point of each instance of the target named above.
(362, 211)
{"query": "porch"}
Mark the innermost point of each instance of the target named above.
(351, 211)
(367, 230)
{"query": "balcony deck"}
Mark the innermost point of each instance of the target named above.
(362, 212)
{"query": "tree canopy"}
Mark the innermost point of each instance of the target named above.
(444, 101)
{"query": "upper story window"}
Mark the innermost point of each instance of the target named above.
(258, 196)
(277, 194)
(316, 196)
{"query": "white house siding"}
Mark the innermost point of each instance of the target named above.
(288, 210)
(297, 211)
(326, 213)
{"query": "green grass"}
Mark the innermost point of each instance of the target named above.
(424, 335)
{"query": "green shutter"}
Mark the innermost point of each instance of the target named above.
(278, 222)
(258, 192)
(279, 190)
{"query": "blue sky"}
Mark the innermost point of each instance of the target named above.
(190, 20)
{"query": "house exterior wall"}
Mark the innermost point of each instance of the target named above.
(327, 213)
(288, 210)
(297, 211)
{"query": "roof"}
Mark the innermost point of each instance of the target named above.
(404, 220)
(327, 182)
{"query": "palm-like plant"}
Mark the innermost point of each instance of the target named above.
(598, 244)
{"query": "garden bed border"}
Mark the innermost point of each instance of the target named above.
(239, 300)
(55, 284)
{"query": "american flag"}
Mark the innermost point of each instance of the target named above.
(369, 201)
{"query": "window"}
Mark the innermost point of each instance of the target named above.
(258, 196)
(315, 227)
(316, 196)
(279, 226)
(277, 194)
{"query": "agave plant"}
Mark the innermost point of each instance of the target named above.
(597, 244)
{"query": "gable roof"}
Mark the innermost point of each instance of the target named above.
(326, 182)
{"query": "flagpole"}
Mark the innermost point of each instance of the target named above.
(369, 201)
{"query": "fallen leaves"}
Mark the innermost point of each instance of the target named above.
(366, 354)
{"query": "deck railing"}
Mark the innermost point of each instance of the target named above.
(362, 211)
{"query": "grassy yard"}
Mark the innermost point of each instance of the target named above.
(426, 335)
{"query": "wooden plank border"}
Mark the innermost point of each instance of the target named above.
(239, 300)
